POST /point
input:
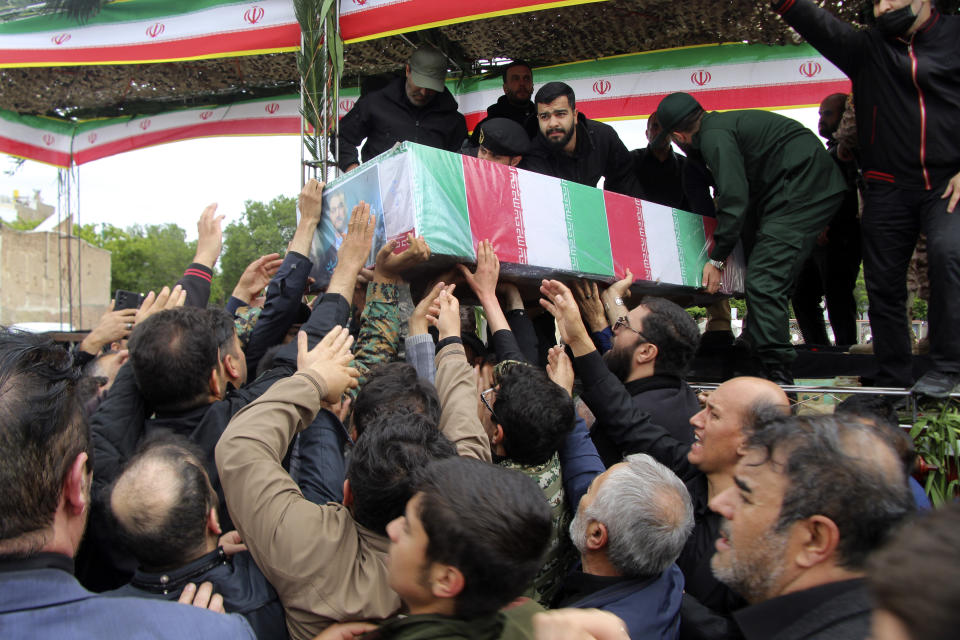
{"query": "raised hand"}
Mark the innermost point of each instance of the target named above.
(619, 290)
(310, 201)
(113, 327)
(558, 300)
(559, 368)
(209, 236)
(483, 281)
(256, 276)
(588, 299)
(355, 248)
(328, 360)
(445, 313)
(154, 303)
(391, 265)
(418, 319)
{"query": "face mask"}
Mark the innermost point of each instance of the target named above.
(895, 23)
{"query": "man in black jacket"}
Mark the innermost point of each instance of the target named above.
(577, 149)
(653, 345)
(166, 515)
(515, 103)
(906, 82)
(418, 108)
(814, 497)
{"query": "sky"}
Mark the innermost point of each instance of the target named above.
(174, 182)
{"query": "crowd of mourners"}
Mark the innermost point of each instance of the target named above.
(344, 464)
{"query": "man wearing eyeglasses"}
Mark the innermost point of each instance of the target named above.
(653, 345)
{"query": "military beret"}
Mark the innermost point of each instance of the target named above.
(503, 137)
(671, 112)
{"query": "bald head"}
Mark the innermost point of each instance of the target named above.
(756, 398)
(162, 505)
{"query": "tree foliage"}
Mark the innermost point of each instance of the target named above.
(264, 227)
(143, 257)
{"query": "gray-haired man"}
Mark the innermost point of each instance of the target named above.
(630, 527)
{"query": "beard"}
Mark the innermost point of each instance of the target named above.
(563, 140)
(753, 572)
(619, 361)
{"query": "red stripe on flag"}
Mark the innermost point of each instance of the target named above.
(771, 96)
(628, 240)
(409, 15)
(496, 214)
(258, 126)
(34, 152)
(279, 37)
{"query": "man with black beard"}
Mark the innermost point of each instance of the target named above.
(652, 346)
(577, 149)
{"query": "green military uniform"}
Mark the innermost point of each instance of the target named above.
(776, 189)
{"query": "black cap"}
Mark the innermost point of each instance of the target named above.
(503, 137)
(671, 112)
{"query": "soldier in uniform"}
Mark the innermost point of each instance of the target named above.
(776, 188)
(500, 140)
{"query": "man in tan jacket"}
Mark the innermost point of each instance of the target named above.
(328, 562)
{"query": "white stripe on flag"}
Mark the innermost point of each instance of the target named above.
(544, 221)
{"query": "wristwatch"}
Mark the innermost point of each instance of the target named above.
(718, 264)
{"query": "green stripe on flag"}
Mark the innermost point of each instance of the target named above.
(691, 243)
(441, 198)
(587, 235)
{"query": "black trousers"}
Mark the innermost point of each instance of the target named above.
(831, 272)
(892, 220)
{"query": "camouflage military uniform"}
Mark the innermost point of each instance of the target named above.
(245, 319)
(561, 554)
(379, 337)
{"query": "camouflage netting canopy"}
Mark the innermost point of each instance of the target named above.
(553, 36)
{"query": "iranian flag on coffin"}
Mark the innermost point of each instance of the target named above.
(540, 225)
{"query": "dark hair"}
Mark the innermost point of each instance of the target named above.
(915, 577)
(160, 503)
(173, 353)
(674, 332)
(391, 386)
(382, 464)
(879, 411)
(535, 413)
(553, 90)
(515, 63)
(42, 431)
(832, 469)
(491, 523)
(689, 122)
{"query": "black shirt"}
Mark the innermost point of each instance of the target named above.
(834, 610)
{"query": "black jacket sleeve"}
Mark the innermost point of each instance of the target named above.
(353, 129)
(280, 308)
(457, 134)
(618, 173)
(196, 281)
(626, 425)
(116, 427)
(838, 41)
(524, 333)
(505, 345)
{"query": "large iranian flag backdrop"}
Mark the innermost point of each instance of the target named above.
(735, 76)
